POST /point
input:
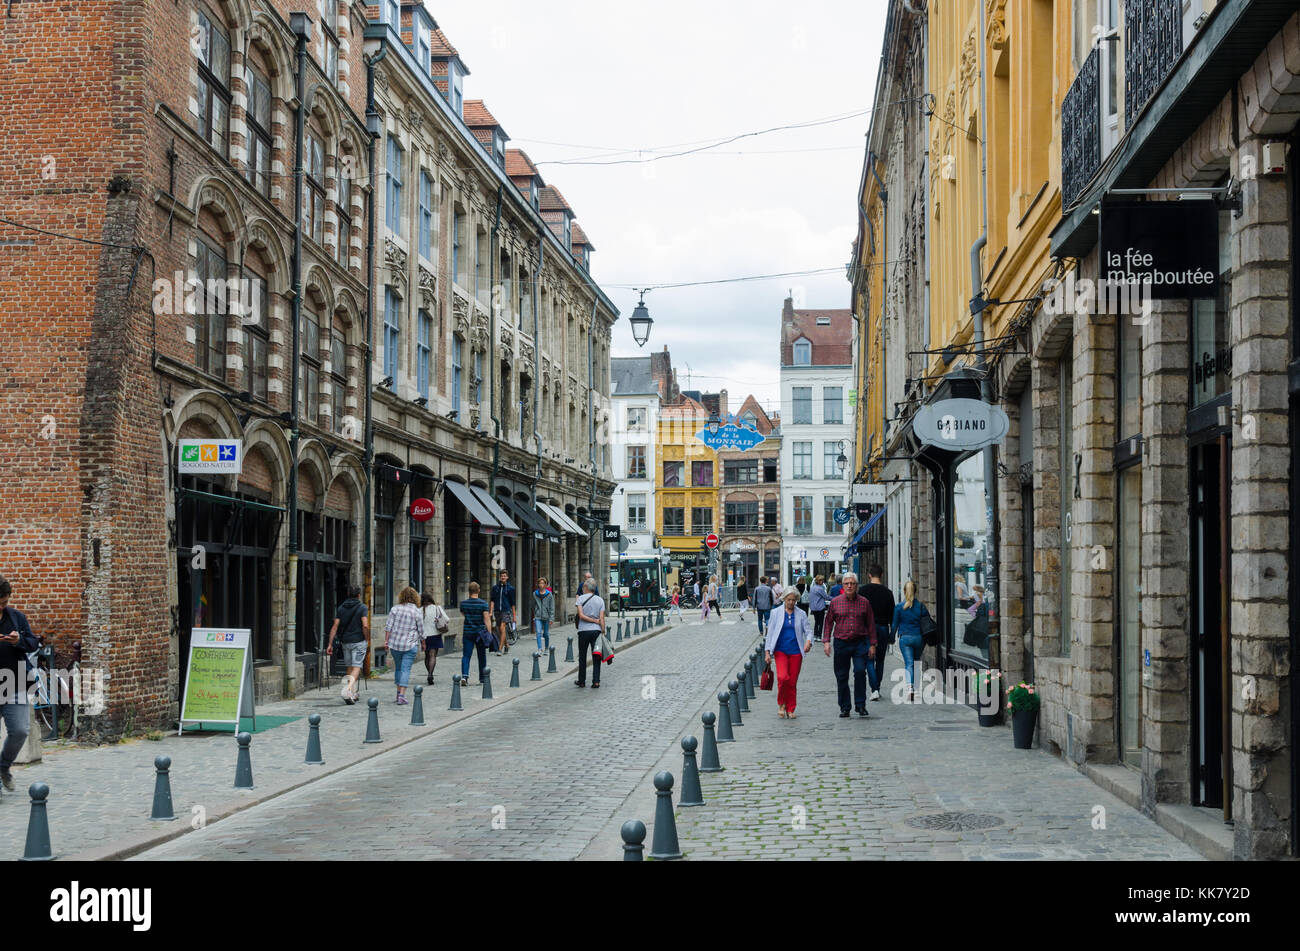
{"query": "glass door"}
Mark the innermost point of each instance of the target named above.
(1128, 604)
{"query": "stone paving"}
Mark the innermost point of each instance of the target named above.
(819, 787)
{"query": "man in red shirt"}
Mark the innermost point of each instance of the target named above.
(851, 625)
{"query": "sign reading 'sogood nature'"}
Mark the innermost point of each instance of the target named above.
(199, 456)
(1171, 247)
(960, 424)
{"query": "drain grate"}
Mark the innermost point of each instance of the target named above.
(954, 821)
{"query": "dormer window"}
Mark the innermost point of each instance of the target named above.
(533, 196)
(499, 148)
(422, 50)
(393, 14)
(568, 233)
(802, 353)
(823, 321)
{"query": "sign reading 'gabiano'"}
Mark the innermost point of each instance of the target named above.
(960, 424)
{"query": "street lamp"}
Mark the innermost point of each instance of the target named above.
(641, 320)
(842, 461)
(714, 423)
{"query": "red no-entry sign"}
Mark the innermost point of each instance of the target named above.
(711, 541)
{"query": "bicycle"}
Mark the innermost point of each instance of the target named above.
(688, 601)
(44, 705)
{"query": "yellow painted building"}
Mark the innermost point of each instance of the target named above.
(686, 485)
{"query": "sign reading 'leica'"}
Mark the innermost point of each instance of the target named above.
(421, 510)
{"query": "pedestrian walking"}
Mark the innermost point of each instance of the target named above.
(352, 628)
(802, 587)
(675, 602)
(16, 642)
(591, 626)
(475, 633)
(702, 597)
(882, 606)
(403, 632)
(543, 613)
(436, 624)
(713, 598)
(818, 598)
(836, 589)
(582, 585)
(776, 591)
(763, 602)
(851, 626)
(503, 610)
(789, 637)
(907, 626)
(742, 596)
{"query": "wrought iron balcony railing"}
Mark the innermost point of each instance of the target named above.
(1153, 41)
(1081, 129)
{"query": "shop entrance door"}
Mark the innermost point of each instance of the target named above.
(1209, 523)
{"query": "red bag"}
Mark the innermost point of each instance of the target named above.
(765, 681)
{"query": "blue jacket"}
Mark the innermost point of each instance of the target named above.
(818, 598)
(503, 599)
(14, 657)
(907, 621)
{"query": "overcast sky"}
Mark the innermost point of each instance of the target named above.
(581, 79)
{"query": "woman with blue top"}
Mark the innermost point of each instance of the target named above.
(786, 631)
(907, 626)
(818, 598)
(543, 614)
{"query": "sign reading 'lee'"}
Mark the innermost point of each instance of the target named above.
(960, 424)
(1171, 247)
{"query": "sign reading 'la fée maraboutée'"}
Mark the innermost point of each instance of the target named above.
(960, 424)
(1171, 247)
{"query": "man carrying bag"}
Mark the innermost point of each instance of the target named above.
(591, 631)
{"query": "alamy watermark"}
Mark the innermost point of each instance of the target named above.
(1087, 297)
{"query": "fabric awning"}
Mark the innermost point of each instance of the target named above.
(465, 496)
(508, 526)
(550, 512)
(532, 522)
(866, 527)
(561, 518)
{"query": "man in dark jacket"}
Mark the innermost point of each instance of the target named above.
(503, 609)
(763, 604)
(882, 608)
(16, 642)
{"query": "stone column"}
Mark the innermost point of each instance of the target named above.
(1011, 568)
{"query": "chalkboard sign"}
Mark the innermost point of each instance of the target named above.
(218, 677)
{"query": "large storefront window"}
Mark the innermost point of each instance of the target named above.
(970, 539)
(1211, 351)
(324, 569)
(388, 499)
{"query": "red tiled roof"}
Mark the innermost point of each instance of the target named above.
(580, 237)
(477, 116)
(685, 408)
(761, 420)
(551, 199)
(439, 45)
(832, 345)
(518, 164)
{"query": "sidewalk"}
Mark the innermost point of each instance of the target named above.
(100, 797)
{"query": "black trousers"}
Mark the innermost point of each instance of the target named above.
(851, 653)
(587, 641)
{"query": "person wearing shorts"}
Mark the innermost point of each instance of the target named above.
(353, 630)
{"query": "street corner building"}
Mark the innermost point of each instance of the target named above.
(1084, 216)
(268, 280)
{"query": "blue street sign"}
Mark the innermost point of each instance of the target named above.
(842, 516)
(731, 437)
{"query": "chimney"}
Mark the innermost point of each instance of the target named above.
(787, 312)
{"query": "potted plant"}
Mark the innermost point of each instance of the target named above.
(988, 685)
(1023, 702)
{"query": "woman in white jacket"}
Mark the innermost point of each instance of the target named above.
(789, 637)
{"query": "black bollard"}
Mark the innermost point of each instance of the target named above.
(633, 833)
(514, 672)
(537, 666)
(734, 702)
(372, 721)
(314, 757)
(244, 763)
(162, 791)
(724, 718)
(455, 693)
(487, 684)
(618, 637)
(38, 826)
(751, 674)
(692, 794)
(417, 708)
(568, 658)
(664, 845)
(743, 695)
(709, 762)
(550, 664)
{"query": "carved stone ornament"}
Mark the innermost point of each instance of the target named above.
(381, 80)
(507, 356)
(394, 257)
(415, 119)
(460, 313)
(526, 352)
(997, 23)
(479, 338)
(474, 416)
(507, 338)
(969, 62)
(444, 152)
(428, 288)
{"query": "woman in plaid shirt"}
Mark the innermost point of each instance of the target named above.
(403, 632)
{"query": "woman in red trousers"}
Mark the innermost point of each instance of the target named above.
(789, 637)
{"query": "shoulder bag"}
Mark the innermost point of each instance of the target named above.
(929, 629)
(440, 620)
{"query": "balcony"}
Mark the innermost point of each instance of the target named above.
(1153, 41)
(1081, 129)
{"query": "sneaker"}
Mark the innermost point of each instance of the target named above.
(401, 700)
(875, 695)
(7, 779)
(844, 714)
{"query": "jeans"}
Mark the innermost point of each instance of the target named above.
(853, 652)
(470, 642)
(543, 626)
(876, 671)
(819, 618)
(911, 645)
(763, 615)
(16, 718)
(402, 661)
(587, 641)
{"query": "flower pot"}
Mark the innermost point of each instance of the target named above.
(988, 719)
(1022, 728)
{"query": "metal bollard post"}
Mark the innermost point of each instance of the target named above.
(633, 833)
(162, 791)
(743, 695)
(618, 633)
(724, 718)
(455, 693)
(568, 658)
(537, 666)
(244, 762)
(514, 672)
(692, 794)
(372, 721)
(664, 845)
(417, 708)
(314, 757)
(487, 684)
(751, 674)
(38, 826)
(734, 701)
(550, 665)
(709, 762)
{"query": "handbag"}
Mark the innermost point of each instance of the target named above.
(440, 622)
(929, 629)
(765, 681)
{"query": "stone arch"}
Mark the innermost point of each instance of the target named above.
(1050, 333)
(263, 33)
(204, 406)
(212, 193)
(319, 281)
(1014, 376)
(313, 457)
(263, 239)
(267, 436)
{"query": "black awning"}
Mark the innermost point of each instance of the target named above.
(530, 519)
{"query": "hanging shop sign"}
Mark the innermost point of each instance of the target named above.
(731, 437)
(1170, 248)
(842, 516)
(869, 492)
(421, 510)
(198, 456)
(960, 424)
(610, 534)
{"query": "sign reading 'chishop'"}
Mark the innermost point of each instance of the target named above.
(1171, 247)
(960, 424)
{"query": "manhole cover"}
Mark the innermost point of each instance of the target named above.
(948, 729)
(954, 821)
